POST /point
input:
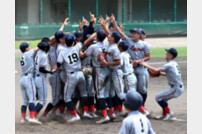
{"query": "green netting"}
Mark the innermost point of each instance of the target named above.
(153, 29)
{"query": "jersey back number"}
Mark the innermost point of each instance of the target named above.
(22, 61)
(73, 58)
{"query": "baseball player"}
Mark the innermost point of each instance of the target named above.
(142, 37)
(27, 84)
(40, 75)
(172, 72)
(54, 79)
(138, 51)
(130, 80)
(135, 122)
(72, 64)
(102, 73)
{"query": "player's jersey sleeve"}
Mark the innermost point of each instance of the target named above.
(116, 54)
(78, 46)
(121, 59)
(165, 67)
(146, 48)
(89, 51)
(129, 41)
(60, 58)
(125, 128)
(31, 52)
(150, 129)
(43, 61)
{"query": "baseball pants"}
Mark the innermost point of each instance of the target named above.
(55, 82)
(28, 89)
(130, 82)
(170, 93)
(41, 87)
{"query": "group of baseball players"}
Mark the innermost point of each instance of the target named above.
(96, 69)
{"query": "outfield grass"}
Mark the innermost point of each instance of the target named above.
(155, 52)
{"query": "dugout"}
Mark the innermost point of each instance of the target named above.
(35, 19)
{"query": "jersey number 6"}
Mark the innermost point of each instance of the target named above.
(74, 57)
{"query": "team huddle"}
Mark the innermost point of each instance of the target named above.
(96, 70)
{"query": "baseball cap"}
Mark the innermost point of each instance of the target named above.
(69, 39)
(135, 30)
(101, 35)
(78, 34)
(59, 34)
(116, 35)
(133, 100)
(23, 46)
(123, 45)
(111, 24)
(172, 51)
(142, 31)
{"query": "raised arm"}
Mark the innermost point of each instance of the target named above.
(91, 38)
(104, 26)
(117, 27)
(66, 22)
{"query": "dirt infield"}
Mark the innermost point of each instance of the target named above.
(179, 106)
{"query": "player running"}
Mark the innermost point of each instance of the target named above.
(27, 83)
(172, 72)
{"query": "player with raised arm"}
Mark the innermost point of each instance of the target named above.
(27, 83)
(72, 64)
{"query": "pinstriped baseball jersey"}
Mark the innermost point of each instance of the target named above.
(93, 51)
(70, 58)
(136, 123)
(137, 50)
(40, 61)
(126, 63)
(86, 62)
(173, 73)
(27, 62)
(52, 56)
(60, 48)
(112, 54)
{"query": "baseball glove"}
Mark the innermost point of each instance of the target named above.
(101, 57)
(154, 74)
(87, 71)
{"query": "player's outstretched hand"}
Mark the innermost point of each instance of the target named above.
(92, 16)
(66, 22)
(84, 21)
(153, 74)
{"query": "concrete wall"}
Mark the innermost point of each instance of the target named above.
(33, 12)
(21, 12)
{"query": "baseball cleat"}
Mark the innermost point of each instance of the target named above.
(102, 120)
(27, 117)
(146, 113)
(85, 114)
(113, 116)
(34, 121)
(22, 121)
(168, 116)
(74, 118)
(123, 113)
(94, 115)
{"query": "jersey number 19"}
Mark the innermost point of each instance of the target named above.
(73, 58)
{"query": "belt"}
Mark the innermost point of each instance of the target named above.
(179, 86)
(127, 75)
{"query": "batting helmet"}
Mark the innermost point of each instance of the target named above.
(23, 46)
(133, 100)
(43, 46)
(58, 35)
(123, 44)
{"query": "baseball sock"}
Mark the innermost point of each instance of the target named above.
(144, 96)
(31, 110)
(62, 106)
(164, 106)
(38, 108)
(102, 103)
(110, 105)
(48, 109)
(84, 101)
(142, 109)
(91, 103)
(116, 103)
(23, 111)
(70, 107)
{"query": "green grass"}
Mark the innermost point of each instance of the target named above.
(33, 43)
(155, 52)
(160, 52)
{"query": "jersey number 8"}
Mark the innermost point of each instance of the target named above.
(74, 57)
(22, 61)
